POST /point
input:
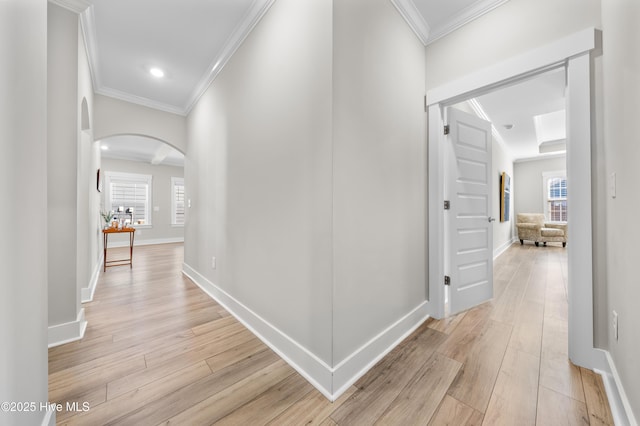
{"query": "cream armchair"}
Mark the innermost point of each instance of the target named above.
(532, 227)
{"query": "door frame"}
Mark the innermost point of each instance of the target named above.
(575, 54)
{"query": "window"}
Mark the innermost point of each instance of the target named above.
(177, 201)
(555, 192)
(129, 190)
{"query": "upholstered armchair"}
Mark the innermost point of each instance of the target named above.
(532, 227)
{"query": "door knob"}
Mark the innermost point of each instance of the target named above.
(492, 219)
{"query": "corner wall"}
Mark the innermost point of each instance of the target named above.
(379, 176)
(621, 67)
(23, 249)
(258, 176)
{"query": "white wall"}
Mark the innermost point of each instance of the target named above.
(258, 174)
(503, 232)
(88, 202)
(621, 66)
(379, 172)
(161, 230)
(23, 249)
(528, 194)
(62, 162)
(116, 117)
(513, 28)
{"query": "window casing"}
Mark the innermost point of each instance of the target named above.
(555, 196)
(129, 190)
(177, 201)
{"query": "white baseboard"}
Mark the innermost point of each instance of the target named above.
(150, 242)
(60, 334)
(49, 418)
(498, 251)
(330, 381)
(618, 400)
(316, 371)
(348, 371)
(86, 293)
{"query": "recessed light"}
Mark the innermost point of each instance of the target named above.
(156, 72)
(508, 126)
(104, 147)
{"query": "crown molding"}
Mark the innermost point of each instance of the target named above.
(77, 6)
(410, 13)
(468, 14)
(88, 28)
(134, 99)
(541, 157)
(258, 9)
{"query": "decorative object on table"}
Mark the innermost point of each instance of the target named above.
(505, 196)
(107, 216)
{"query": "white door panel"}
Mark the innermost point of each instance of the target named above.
(469, 228)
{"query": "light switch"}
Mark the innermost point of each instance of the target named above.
(189, 203)
(612, 185)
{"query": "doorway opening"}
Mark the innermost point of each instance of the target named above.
(573, 54)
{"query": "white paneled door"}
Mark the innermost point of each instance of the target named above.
(469, 226)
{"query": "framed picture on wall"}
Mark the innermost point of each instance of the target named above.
(505, 196)
(99, 184)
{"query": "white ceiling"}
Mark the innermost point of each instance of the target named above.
(192, 40)
(519, 104)
(142, 149)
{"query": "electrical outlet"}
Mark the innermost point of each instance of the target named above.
(213, 262)
(615, 324)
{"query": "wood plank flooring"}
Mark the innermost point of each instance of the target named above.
(158, 351)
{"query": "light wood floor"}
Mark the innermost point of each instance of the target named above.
(159, 351)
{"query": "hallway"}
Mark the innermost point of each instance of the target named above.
(158, 350)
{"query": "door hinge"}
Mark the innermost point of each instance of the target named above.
(447, 129)
(447, 280)
(447, 204)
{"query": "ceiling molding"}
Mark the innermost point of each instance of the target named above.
(127, 97)
(77, 6)
(480, 112)
(541, 157)
(88, 27)
(258, 9)
(463, 17)
(410, 13)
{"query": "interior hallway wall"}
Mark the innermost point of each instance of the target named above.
(529, 197)
(23, 248)
(62, 165)
(621, 67)
(258, 174)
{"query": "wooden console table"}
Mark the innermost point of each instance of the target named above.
(105, 234)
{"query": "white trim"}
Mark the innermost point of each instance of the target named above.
(541, 157)
(88, 27)
(414, 18)
(312, 368)
(149, 242)
(330, 381)
(499, 250)
(76, 6)
(356, 365)
(468, 14)
(140, 100)
(618, 400)
(258, 9)
(575, 54)
(67, 332)
(49, 418)
(86, 293)
(551, 56)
